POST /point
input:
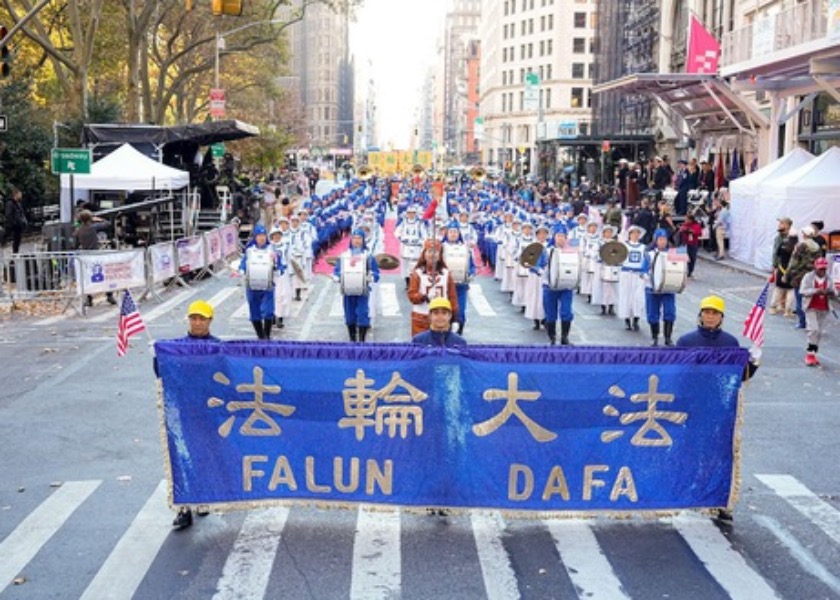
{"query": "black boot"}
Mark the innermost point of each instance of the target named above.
(654, 333)
(612, 309)
(669, 330)
(635, 323)
(628, 325)
(565, 326)
(536, 324)
(407, 279)
(297, 294)
(363, 332)
(258, 327)
(551, 329)
(603, 309)
(351, 329)
(279, 322)
(267, 323)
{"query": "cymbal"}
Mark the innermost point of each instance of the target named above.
(387, 262)
(530, 255)
(613, 253)
(298, 270)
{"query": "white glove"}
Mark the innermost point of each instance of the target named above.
(336, 278)
(755, 354)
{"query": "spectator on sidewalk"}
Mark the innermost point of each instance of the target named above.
(722, 224)
(816, 289)
(87, 238)
(783, 299)
(690, 232)
(16, 221)
(801, 263)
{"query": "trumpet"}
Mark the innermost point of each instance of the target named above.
(478, 174)
(364, 173)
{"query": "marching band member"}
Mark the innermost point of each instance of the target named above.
(468, 232)
(631, 285)
(578, 228)
(259, 291)
(604, 287)
(511, 242)
(501, 234)
(533, 288)
(590, 244)
(299, 243)
(282, 281)
(429, 280)
(410, 232)
(557, 301)
(659, 304)
(520, 281)
(454, 246)
(356, 305)
(309, 250)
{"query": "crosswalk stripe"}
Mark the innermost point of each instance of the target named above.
(248, 567)
(477, 300)
(376, 556)
(727, 566)
(218, 299)
(337, 306)
(36, 529)
(499, 577)
(388, 300)
(585, 563)
(818, 511)
(241, 313)
(124, 569)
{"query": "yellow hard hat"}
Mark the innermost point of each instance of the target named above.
(713, 302)
(202, 308)
(440, 302)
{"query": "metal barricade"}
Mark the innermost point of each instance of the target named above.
(40, 275)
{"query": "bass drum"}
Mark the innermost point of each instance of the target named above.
(563, 270)
(259, 269)
(609, 273)
(457, 259)
(354, 275)
(668, 274)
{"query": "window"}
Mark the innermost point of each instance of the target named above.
(591, 74)
(542, 47)
(548, 71)
(521, 75)
(504, 54)
(524, 5)
(549, 47)
(530, 26)
(504, 102)
(542, 22)
(550, 22)
(522, 27)
(577, 97)
(504, 77)
(548, 97)
(579, 45)
(577, 70)
(542, 73)
(580, 20)
(521, 100)
(506, 8)
(522, 52)
(530, 50)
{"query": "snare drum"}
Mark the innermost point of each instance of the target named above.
(457, 259)
(609, 274)
(669, 274)
(563, 270)
(259, 269)
(354, 275)
(410, 253)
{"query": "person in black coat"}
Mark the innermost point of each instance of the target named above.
(16, 221)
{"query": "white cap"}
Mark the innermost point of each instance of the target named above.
(807, 231)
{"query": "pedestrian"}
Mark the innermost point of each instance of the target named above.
(658, 304)
(16, 221)
(802, 262)
(199, 319)
(690, 232)
(439, 333)
(722, 226)
(259, 264)
(356, 269)
(784, 299)
(645, 219)
(683, 184)
(87, 238)
(816, 289)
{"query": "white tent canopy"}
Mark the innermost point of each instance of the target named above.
(123, 169)
(806, 194)
(750, 229)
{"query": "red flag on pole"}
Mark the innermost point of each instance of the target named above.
(719, 175)
(703, 48)
(430, 210)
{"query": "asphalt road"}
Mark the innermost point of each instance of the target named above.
(83, 502)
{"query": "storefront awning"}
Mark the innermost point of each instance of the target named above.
(705, 103)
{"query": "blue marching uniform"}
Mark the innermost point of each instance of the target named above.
(555, 301)
(261, 301)
(357, 307)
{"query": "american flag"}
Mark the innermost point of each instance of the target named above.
(130, 323)
(754, 325)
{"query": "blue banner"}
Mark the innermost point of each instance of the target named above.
(514, 428)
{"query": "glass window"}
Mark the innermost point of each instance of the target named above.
(549, 47)
(530, 50)
(551, 21)
(577, 97)
(577, 70)
(530, 26)
(521, 100)
(504, 77)
(506, 8)
(580, 20)
(548, 71)
(579, 45)
(548, 97)
(522, 27)
(542, 22)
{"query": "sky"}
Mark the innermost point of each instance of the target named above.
(393, 42)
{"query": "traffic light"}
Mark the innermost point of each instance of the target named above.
(227, 7)
(5, 55)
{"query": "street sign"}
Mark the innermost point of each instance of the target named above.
(217, 150)
(478, 129)
(74, 161)
(217, 102)
(531, 99)
(4, 123)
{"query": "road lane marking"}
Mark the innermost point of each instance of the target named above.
(388, 300)
(499, 576)
(248, 567)
(477, 300)
(376, 556)
(727, 566)
(337, 306)
(218, 299)
(314, 313)
(817, 510)
(36, 529)
(124, 569)
(584, 561)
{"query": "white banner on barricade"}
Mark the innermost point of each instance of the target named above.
(190, 254)
(162, 262)
(109, 271)
(230, 240)
(214, 246)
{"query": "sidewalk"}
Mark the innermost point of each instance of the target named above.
(733, 264)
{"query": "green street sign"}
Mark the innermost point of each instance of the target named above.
(217, 150)
(532, 79)
(74, 161)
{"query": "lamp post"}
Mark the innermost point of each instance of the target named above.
(220, 42)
